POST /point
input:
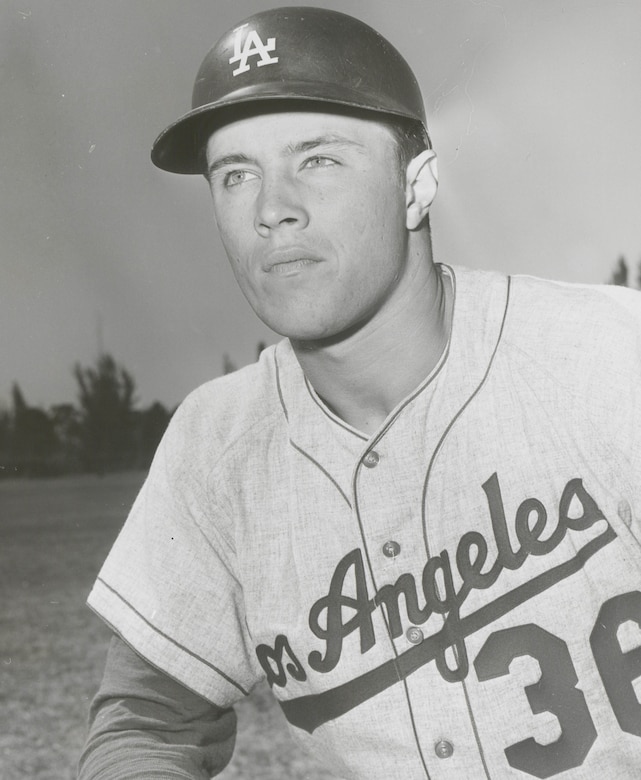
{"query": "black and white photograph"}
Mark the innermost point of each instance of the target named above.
(320, 390)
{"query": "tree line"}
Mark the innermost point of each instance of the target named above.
(105, 431)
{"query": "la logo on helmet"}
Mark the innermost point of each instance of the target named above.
(252, 46)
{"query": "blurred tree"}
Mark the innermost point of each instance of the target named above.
(151, 425)
(228, 364)
(67, 425)
(620, 273)
(32, 437)
(106, 397)
(19, 404)
(6, 467)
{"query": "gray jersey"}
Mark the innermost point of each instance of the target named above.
(456, 596)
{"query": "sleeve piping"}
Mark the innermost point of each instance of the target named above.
(168, 638)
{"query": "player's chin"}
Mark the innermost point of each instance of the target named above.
(300, 325)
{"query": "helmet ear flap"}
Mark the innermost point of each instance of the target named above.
(294, 54)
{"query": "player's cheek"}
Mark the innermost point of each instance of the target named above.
(234, 230)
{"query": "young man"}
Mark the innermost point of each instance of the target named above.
(418, 516)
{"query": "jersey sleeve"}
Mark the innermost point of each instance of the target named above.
(143, 724)
(169, 586)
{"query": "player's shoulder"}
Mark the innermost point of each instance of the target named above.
(585, 337)
(230, 408)
(578, 300)
(558, 329)
(587, 316)
(543, 312)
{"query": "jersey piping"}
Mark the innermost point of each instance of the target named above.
(172, 640)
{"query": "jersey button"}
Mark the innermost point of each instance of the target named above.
(371, 459)
(391, 549)
(443, 748)
(414, 635)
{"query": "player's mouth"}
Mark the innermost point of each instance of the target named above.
(289, 262)
(289, 267)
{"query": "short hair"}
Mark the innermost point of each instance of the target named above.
(411, 139)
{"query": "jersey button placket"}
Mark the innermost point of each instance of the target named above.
(414, 635)
(443, 748)
(391, 549)
(371, 459)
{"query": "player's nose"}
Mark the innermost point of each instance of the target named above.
(279, 204)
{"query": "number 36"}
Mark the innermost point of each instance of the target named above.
(556, 690)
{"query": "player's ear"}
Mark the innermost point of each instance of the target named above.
(420, 188)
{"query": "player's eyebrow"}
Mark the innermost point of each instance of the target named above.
(331, 139)
(228, 159)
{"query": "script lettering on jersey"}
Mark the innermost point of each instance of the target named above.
(251, 46)
(348, 607)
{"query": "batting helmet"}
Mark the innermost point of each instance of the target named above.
(295, 53)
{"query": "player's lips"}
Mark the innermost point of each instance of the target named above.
(288, 261)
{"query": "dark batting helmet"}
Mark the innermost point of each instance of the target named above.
(296, 53)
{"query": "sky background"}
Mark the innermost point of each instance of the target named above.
(535, 113)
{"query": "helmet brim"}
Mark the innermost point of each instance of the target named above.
(178, 148)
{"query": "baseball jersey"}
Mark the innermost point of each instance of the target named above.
(457, 595)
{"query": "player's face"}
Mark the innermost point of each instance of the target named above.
(311, 211)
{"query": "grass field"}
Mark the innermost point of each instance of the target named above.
(54, 534)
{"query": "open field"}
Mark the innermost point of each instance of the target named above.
(54, 535)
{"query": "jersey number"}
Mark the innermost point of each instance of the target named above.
(557, 692)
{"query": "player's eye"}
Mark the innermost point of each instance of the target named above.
(318, 161)
(233, 178)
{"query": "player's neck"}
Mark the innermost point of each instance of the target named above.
(365, 375)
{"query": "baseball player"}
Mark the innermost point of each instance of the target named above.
(418, 515)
